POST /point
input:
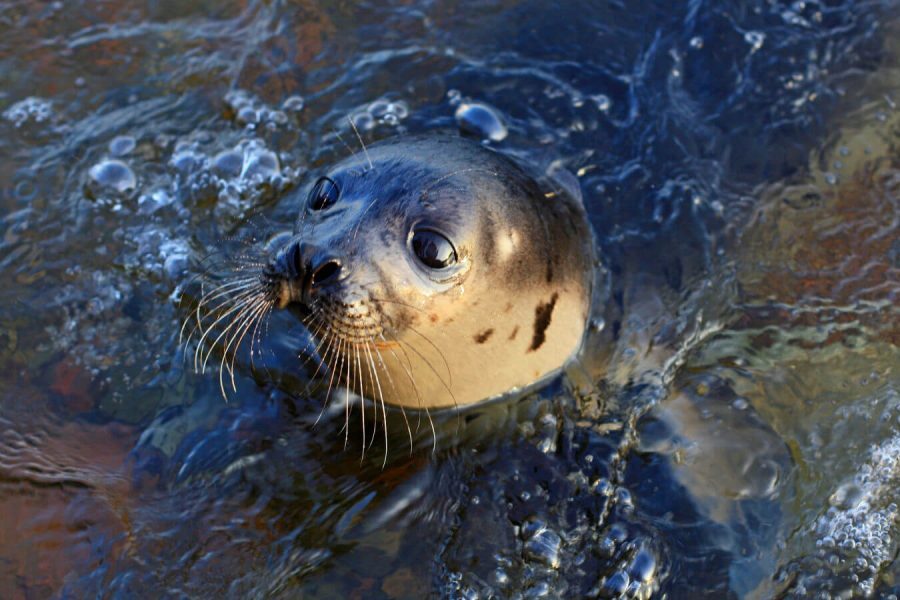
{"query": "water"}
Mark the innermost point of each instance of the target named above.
(732, 426)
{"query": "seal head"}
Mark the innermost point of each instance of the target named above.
(434, 273)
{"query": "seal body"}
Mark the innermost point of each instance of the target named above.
(434, 273)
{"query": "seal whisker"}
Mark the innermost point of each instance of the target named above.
(415, 387)
(204, 298)
(242, 318)
(431, 367)
(241, 299)
(317, 334)
(347, 407)
(394, 388)
(263, 307)
(361, 143)
(419, 399)
(338, 353)
(328, 393)
(341, 138)
(254, 337)
(327, 336)
(359, 218)
(446, 176)
(246, 322)
(373, 371)
(240, 310)
(205, 331)
(362, 404)
(385, 300)
(225, 288)
(224, 294)
(360, 356)
(449, 383)
(332, 350)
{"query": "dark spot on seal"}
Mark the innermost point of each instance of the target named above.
(433, 317)
(483, 336)
(542, 314)
(508, 307)
(514, 333)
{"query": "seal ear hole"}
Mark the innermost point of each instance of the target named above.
(324, 194)
(433, 249)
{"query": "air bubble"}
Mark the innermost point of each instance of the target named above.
(845, 497)
(228, 163)
(252, 112)
(31, 109)
(122, 145)
(399, 108)
(615, 585)
(150, 203)
(543, 546)
(248, 116)
(756, 39)
(25, 190)
(363, 121)
(643, 566)
(481, 120)
(378, 109)
(186, 161)
(294, 104)
(113, 175)
(602, 101)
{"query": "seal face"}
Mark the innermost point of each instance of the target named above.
(435, 273)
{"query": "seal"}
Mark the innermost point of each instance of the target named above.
(435, 272)
(432, 273)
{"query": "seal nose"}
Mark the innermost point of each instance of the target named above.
(288, 262)
(307, 267)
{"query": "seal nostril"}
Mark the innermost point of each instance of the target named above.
(325, 272)
(295, 260)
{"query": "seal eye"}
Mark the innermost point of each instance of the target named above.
(324, 194)
(433, 249)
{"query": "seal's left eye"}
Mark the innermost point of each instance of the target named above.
(433, 249)
(324, 194)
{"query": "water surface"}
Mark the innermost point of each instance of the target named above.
(731, 430)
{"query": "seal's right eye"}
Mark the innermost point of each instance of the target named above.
(433, 249)
(324, 194)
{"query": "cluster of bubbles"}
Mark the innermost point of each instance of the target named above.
(29, 110)
(246, 171)
(381, 111)
(252, 113)
(803, 13)
(855, 533)
(550, 555)
(634, 578)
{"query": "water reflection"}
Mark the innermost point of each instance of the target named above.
(735, 412)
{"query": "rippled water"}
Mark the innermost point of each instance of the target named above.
(731, 429)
